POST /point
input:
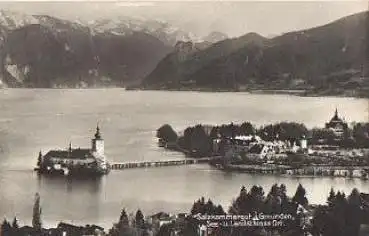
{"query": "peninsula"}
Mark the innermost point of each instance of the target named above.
(283, 148)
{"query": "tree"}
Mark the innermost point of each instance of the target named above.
(123, 219)
(320, 136)
(354, 214)
(122, 227)
(5, 228)
(200, 207)
(274, 200)
(283, 192)
(209, 207)
(15, 226)
(214, 132)
(167, 133)
(300, 196)
(331, 198)
(247, 129)
(39, 159)
(36, 219)
(200, 142)
(242, 204)
(361, 134)
(354, 198)
(219, 210)
(139, 219)
(256, 198)
(15, 223)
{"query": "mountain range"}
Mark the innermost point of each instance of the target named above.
(45, 51)
(330, 58)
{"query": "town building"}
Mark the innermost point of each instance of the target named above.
(241, 143)
(337, 125)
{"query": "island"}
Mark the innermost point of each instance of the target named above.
(75, 162)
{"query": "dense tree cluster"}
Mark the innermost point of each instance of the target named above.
(360, 133)
(276, 201)
(202, 207)
(198, 140)
(341, 216)
(285, 131)
(231, 130)
(255, 200)
(8, 229)
(130, 227)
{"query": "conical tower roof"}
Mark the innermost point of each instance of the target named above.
(97, 134)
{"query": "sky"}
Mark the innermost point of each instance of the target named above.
(235, 18)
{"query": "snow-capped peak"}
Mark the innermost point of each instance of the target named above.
(12, 20)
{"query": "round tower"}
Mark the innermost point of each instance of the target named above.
(98, 143)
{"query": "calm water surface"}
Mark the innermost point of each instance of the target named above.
(31, 120)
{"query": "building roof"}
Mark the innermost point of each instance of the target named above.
(335, 118)
(98, 134)
(248, 138)
(70, 154)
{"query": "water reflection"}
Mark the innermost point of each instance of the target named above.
(71, 184)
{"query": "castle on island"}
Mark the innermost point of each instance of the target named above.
(76, 161)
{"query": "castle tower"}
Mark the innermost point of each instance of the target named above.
(98, 143)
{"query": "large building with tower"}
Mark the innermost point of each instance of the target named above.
(337, 125)
(76, 160)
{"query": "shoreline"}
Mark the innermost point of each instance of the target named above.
(294, 92)
(336, 171)
(313, 170)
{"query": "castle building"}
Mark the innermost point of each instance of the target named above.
(97, 144)
(337, 125)
(70, 158)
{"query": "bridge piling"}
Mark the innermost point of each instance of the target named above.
(147, 164)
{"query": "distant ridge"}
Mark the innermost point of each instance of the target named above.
(45, 51)
(332, 57)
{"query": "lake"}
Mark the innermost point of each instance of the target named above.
(41, 119)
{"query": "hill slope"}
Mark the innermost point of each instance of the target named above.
(44, 51)
(187, 59)
(332, 56)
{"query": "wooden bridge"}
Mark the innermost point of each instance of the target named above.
(147, 164)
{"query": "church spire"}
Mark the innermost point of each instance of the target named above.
(97, 134)
(335, 117)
